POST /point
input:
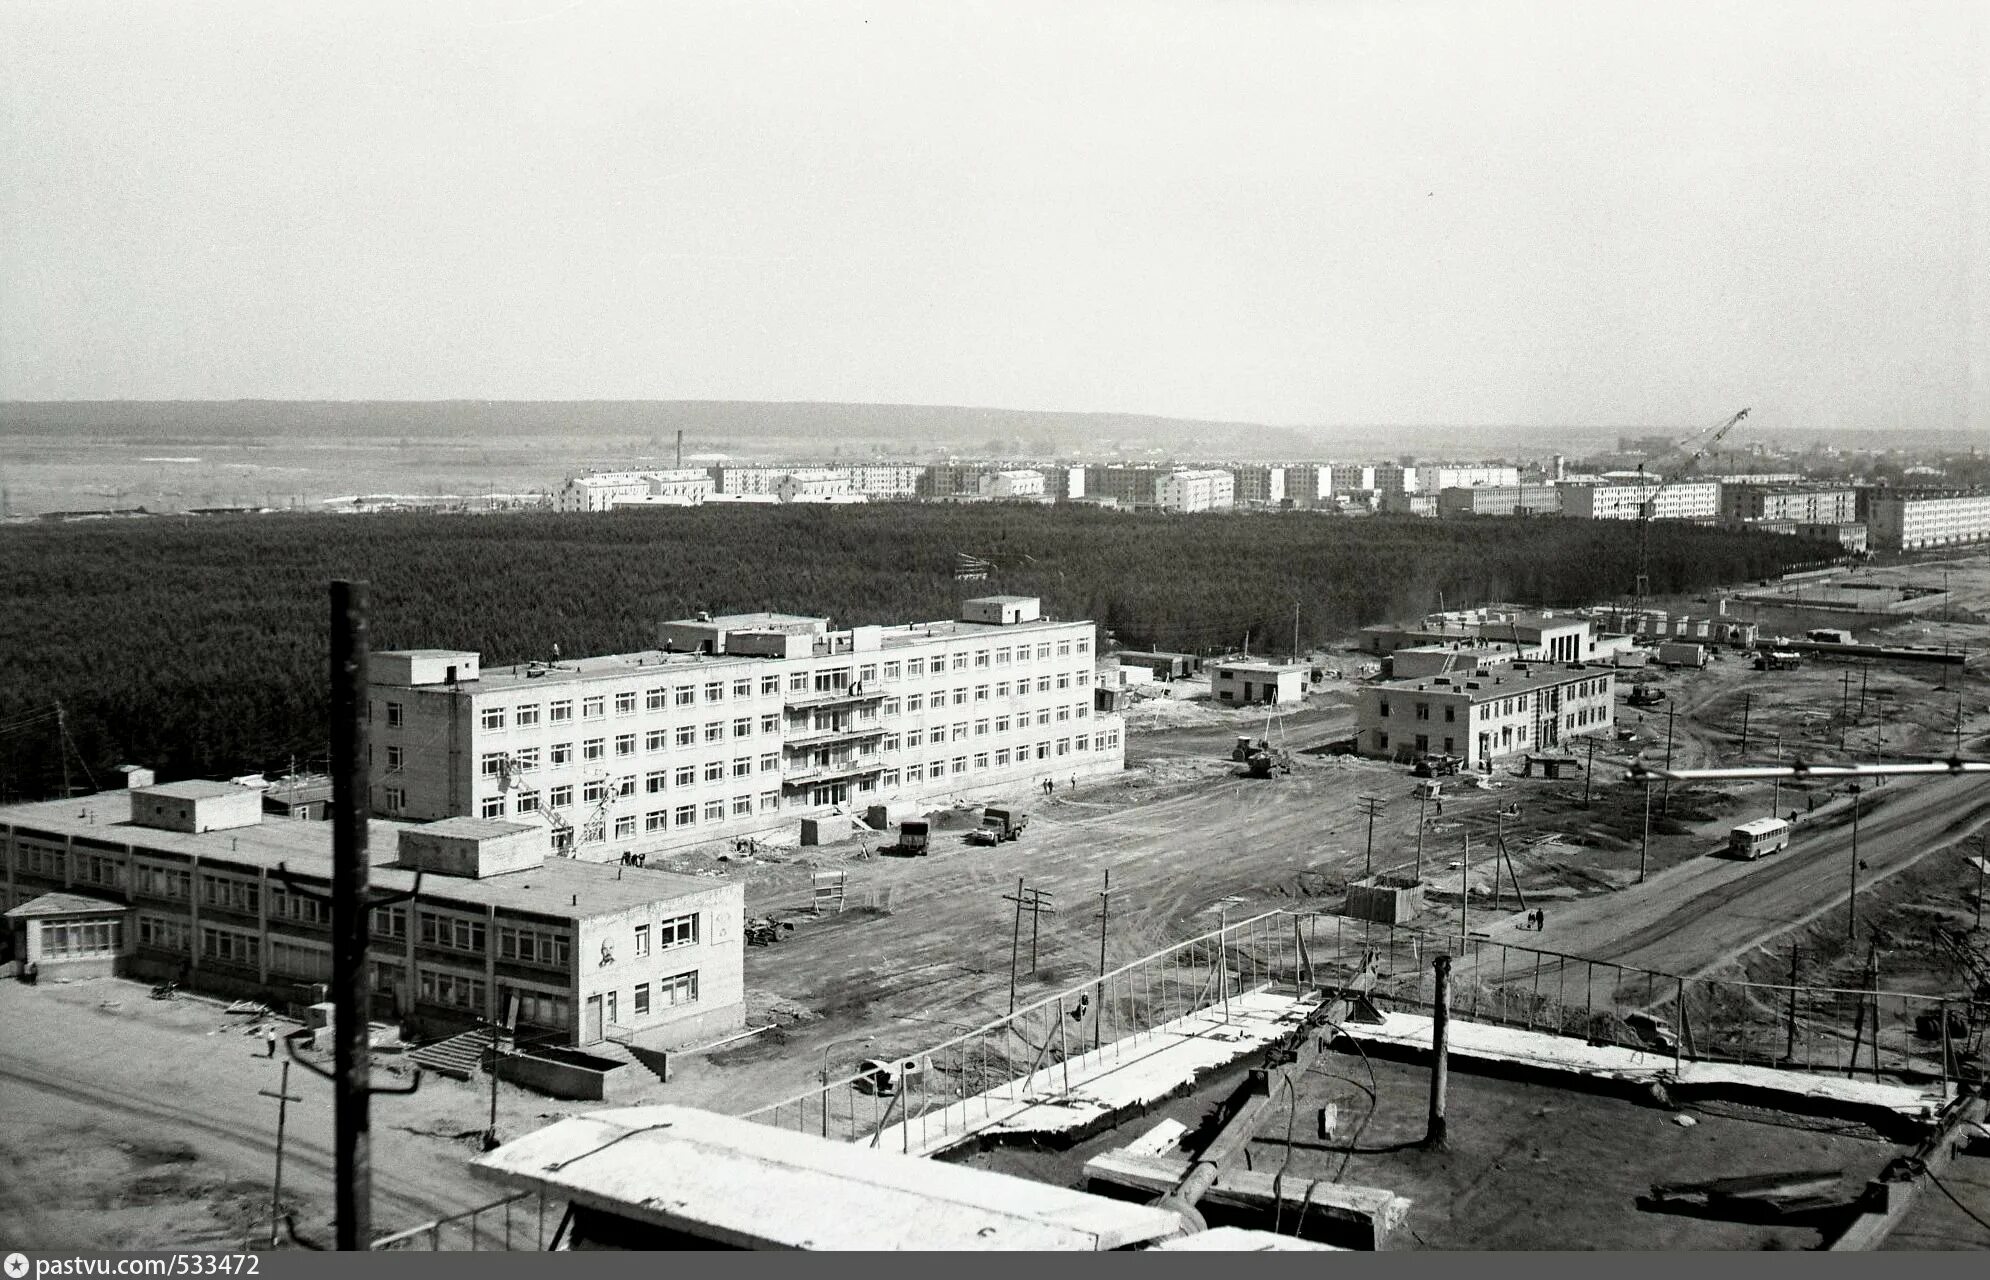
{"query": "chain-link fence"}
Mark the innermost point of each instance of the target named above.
(927, 1100)
(1874, 1034)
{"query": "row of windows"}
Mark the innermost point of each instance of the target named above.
(81, 939)
(532, 945)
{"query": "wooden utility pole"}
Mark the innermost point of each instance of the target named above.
(1589, 771)
(284, 1097)
(1644, 847)
(1744, 723)
(1465, 895)
(1844, 708)
(1371, 808)
(351, 1113)
(1422, 801)
(1665, 801)
(1015, 940)
(1099, 995)
(1790, 1052)
(1852, 903)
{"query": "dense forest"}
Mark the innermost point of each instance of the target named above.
(198, 647)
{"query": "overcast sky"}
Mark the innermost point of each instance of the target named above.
(1303, 213)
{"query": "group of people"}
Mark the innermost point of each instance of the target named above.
(1537, 920)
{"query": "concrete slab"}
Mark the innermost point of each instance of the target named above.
(1521, 1047)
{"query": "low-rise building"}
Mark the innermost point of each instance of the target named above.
(1500, 500)
(605, 490)
(1435, 477)
(1909, 520)
(740, 724)
(165, 884)
(816, 485)
(1202, 490)
(1850, 535)
(1013, 486)
(1257, 682)
(1531, 707)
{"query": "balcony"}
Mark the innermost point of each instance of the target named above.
(820, 773)
(855, 695)
(831, 737)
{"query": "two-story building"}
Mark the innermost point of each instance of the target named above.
(1481, 718)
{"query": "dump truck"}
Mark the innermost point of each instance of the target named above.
(998, 825)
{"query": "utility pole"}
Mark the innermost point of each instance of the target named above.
(61, 745)
(1644, 848)
(1371, 808)
(1465, 895)
(1015, 941)
(284, 1097)
(1744, 723)
(1039, 903)
(1440, 1063)
(1589, 771)
(1790, 1051)
(1295, 631)
(1982, 861)
(1099, 996)
(1865, 668)
(1422, 800)
(1852, 904)
(351, 1119)
(1776, 783)
(1844, 709)
(1665, 801)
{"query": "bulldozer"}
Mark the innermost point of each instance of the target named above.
(1263, 759)
(766, 931)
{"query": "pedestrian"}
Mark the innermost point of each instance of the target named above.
(1542, 917)
(269, 1038)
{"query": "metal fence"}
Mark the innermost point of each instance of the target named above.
(1876, 1034)
(967, 1083)
(518, 1222)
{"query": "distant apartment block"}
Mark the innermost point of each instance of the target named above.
(1804, 504)
(1012, 486)
(1483, 718)
(1500, 500)
(739, 724)
(1433, 478)
(1203, 490)
(604, 490)
(1687, 500)
(1259, 485)
(1907, 521)
(817, 485)
(1131, 487)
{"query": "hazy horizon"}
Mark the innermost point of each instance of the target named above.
(1331, 217)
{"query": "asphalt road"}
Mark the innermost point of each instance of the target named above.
(1701, 914)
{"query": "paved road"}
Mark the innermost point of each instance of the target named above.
(1703, 913)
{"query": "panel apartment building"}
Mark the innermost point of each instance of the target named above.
(1688, 500)
(1911, 520)
(1803, 504)
(186, 881)
(1482, 718)
(740, 724)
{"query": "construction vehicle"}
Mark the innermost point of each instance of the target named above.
(766, 931)
(1429, 766)
(1645, 695)
(998, 825)
(1649, 493)
(1779, 660)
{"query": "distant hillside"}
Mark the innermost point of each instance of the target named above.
(706, 423)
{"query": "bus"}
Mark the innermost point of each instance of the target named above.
(1751, 840)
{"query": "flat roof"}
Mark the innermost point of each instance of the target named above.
(473, 828)
(1505, 683)
(744, 1183)
(758, 618)
(1253, 664)
(550, 888)
(195, 789)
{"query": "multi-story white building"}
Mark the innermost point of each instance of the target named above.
(884, 479)
(1906, 521)
(1347, 479)
(1259, 484)
(749, 479)
(1686, 500)
(815, 485)
(1435, 477)
(602, 490)
(740, 724)
(1024, 485)
(1520, 708)
(1195, 490)
(1804, 504)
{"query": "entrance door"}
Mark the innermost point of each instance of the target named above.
(590, 1030)
(613, 1012)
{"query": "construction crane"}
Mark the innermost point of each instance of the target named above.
(1648, 494)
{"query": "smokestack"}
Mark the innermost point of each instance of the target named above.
(680, 448)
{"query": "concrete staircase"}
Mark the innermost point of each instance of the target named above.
(461, 1056)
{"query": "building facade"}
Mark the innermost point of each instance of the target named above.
(1803, 504)
(1434, 477)
(1531, 707)
(1013, 486)
(1908, 521)
(1688, 500)
(1259, 485)
(239, 907)
(1244, 682)
(604, 490)
(1201, 490)
(1500, 500)
(740, 724)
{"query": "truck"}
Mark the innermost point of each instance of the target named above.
(913, 836)
(998, 825)
(1761, 836)
(1779, 660)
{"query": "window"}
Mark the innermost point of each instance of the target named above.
(164, 933)
(1002, 759)
(981, 657)
(560, 797)
(393, 715)
(1002, 657)
(592, 708)
(1043, 651)
(526, 759)
(1081, 743)
(625, 744)
(1382, 708)
(770, 801)
(1043, 715)
(536, 1008)
(715, 690)
(742, 806)
(915, 667)
(625, 826)
(594, 790)
(1422, 710)
(230, 894)
(892, 670)
(655, 699)
(560, 754)
(981, 760)
(742, 767)
(798, 682)
(686, 776)
(715, 770)
(1064, 746)
(1042, 684)
(1450, 713)
(960, 731)
(224, 946)
(981, 693)
(770, 686)
(492, 718)
(681, 989)
(559, 712)
(687, 735)
(656, 740)
(915, 702)
(1001, 688)
(960, 764)
(684, 695)
(298, 959)
(491, 807)
(960, 662)
(715, 811)
(1084, 644)
(594, 748)
(889, 707)
(742, 727)
(914, 738)
(980, 728)
(456, 990)
(1064, 680)
(491, 764)
(770, 724)
(715, 731)
(938, 769)
(642, 994)
(1001, 724)
(164, 882)
(457, 933)
(396, 799)
(528, 802)
(625, 703)
(1063, 648)
(656, 819)
(890, 742)
(653, 780)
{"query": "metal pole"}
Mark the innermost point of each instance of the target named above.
(283, 1098)
(1223, 958)
(1099, 997)
(1665, 801)
(1844, 708)
(1852, 913)
(1422, 800)
(1744, 723)
(1644, 848)
(1440, 1064)
(353, 1194)
(1036, 913)
(1015, 944)
(1465, 895)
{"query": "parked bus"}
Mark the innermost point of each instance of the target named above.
(1753, 839)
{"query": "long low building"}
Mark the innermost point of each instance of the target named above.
(1527, 707)
(740, 724)
(1687, 500)
(1910, 521)
(189, 881)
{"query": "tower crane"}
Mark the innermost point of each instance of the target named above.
(1648, 493)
